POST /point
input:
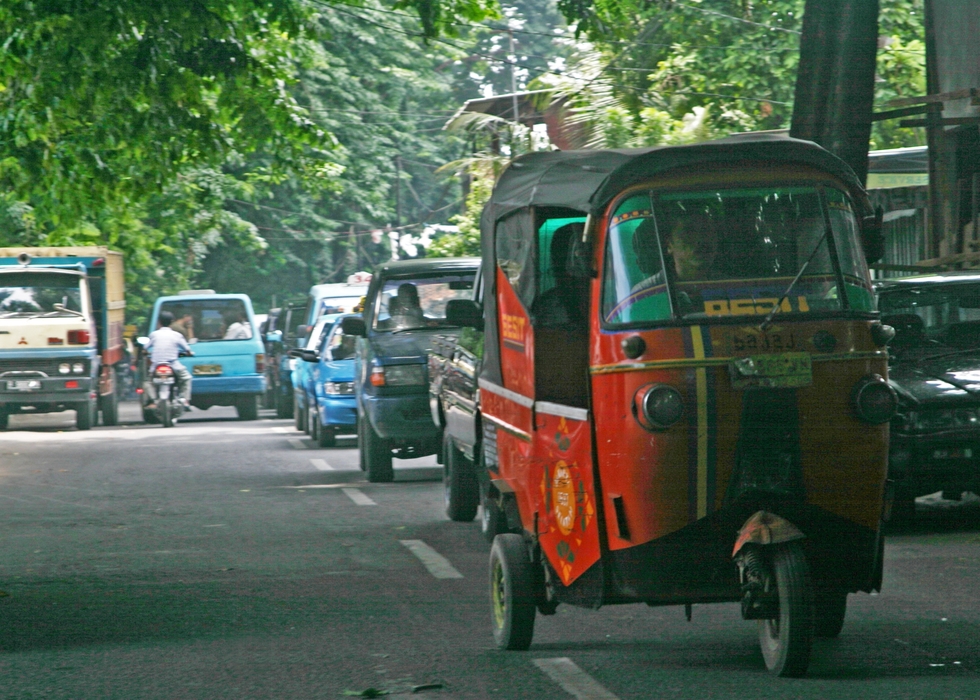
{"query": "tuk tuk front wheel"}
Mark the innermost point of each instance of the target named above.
(513, 594)
(787, 639)
(830, 610)
(493, 521)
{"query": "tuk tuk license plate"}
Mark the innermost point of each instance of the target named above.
(206, 370)
(24, 385)
(784, 371)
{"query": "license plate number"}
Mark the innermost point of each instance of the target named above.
(24, 385)
(751, 340)
(785, 371)
(204, 370)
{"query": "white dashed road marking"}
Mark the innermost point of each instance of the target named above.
(437, 564)
(573, 680)
(358, 497)
(322, 465)
(297, 443)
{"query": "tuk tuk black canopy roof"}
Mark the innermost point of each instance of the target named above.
(586, 180)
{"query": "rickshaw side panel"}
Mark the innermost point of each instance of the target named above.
(568, 525)
(646, 478)
(516, 339)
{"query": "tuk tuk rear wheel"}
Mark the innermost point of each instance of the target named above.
(493, 521)
(459, 484)
(786, 640)
(830, 610)
(513, 595)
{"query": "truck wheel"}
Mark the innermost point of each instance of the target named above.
(85, 415)
(247, 407)
(513, 596)
(459, 483)
(493, 520)
(4, 420)
(787, 639)
(110, 408)
(376, 455)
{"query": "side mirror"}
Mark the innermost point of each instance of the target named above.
(142, 341)
(873, 236)
(273, 337)
(464, 313)
(354, 325)
(304, 355)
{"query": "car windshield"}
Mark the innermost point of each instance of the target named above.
(732, 252)
(207, 320)
(337, 305)
(419, 302)
(933, 315)
(340, 346)
(37, 294)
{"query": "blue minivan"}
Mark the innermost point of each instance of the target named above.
(228, 367)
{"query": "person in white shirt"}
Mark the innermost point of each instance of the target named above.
(165, 346)
(241, 329)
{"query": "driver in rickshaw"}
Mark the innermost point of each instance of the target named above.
(691, 247)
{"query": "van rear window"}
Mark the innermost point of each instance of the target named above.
(207, 320)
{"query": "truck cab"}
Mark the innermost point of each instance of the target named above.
(61, 314)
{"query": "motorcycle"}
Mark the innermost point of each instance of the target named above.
(168, 408)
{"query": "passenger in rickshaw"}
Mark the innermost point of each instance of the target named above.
(565, 304)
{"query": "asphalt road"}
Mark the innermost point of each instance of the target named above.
(228, 559)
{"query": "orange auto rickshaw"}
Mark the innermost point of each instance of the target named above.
(684, 386)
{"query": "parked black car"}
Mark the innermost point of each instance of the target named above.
(935, 369)
(405, 308)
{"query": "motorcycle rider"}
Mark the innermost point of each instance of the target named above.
(165, 346)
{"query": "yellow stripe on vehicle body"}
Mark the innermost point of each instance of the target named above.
(701, 391)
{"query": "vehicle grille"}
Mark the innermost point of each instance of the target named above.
(47, 366)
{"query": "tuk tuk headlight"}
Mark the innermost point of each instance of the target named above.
(657, 406)
(874, 400)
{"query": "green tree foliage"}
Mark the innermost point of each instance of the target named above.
(148, 125)
(721, 66)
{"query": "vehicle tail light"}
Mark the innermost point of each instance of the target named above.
(163, 371)
(71, 384)
(260, 362)
(378, 376)
(874, 400)
(79, 337)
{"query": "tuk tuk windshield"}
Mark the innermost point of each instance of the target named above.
(732, 252)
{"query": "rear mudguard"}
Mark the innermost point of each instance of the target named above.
(766, 528)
